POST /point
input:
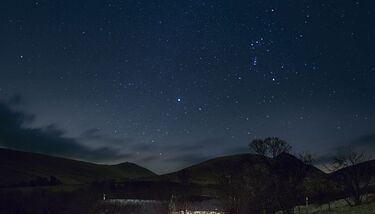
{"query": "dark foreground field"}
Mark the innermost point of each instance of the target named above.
(89, 201)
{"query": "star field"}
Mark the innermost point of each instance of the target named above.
(176, 82)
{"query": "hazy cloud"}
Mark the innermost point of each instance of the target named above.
(95, 134)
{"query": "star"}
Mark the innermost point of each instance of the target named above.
(255, 61)
(249, 72)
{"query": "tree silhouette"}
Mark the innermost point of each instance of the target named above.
(258, 146)
(353, 177)
(277, 146)
(271, 146)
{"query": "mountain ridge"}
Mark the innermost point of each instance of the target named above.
(207, 172)
(19, 167)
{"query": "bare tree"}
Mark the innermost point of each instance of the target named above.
(271, 146)
(306, 158)
(353, 176)
(277, 146)
(259, 147)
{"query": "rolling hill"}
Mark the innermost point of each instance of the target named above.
(364, 166)
(17, 167)
(208, 172)
(366, 169)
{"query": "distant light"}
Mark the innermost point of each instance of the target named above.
(178, 99)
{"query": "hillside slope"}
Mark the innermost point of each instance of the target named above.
(366, 169)
(364, 166)
(16, 167)
(208, 172)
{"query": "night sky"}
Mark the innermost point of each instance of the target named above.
(167, 84)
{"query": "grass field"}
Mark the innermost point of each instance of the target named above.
(363, 209)
(337, 207)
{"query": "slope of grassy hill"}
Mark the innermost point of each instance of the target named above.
(19, 167)
(367, 166)
(363, 209)
(208, 172)
(336, 207)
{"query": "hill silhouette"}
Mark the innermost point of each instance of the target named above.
(209, 172)
(19, 167)
(364, 166)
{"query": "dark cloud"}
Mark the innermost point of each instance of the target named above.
(175, 156)
(324, 159)
(213, 144)
(95, 134)
(189, 159)
(17, 100)
(364, 143)
(367, 141)
(149, 158)
(16, 133)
